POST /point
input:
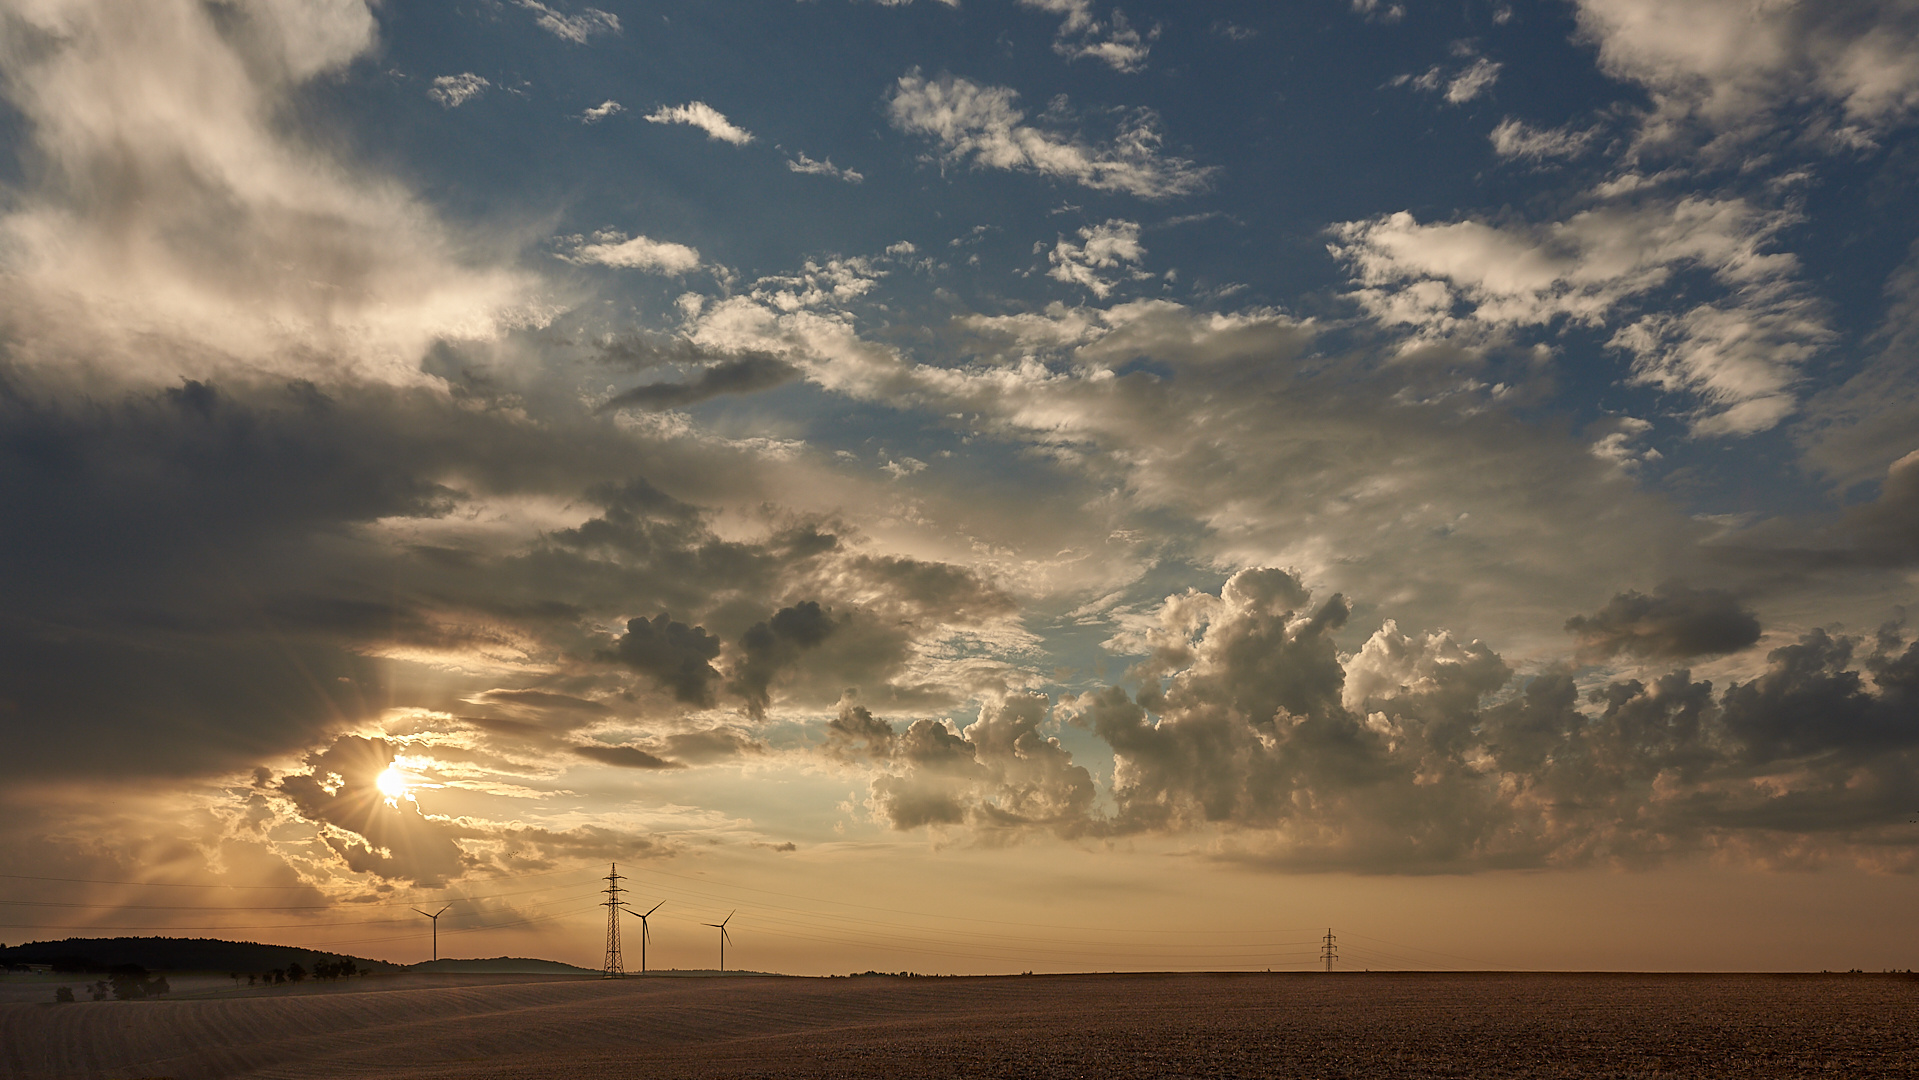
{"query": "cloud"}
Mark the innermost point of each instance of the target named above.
(1725, 66)
(1514, 138)
(609, 247)
(542, 701)
(1375, 11)
(573, 28)
(625, 757)
(1674, 623)
(980, 124)
(599, 112)
(744, 375)
(1853, 429)
(241, 246)
(1466, 84)
(676, 655)
(1740, 355)
(1473, 81)
(1112, 41)
(703, 116)
(453, 91)
(1403, 757)
(809, 167)
(778, 643)
(369, 832)
(1102, 247)
(999, 775)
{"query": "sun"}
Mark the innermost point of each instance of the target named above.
(392, 784)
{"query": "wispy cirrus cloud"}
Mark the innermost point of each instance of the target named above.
(980, 125)
(1113, 41)
(453, 91)
(604, 109)
(1458, 87)
(573, 28)
(1101, 250)
(807, 166)
(1739, 354)
(705, 117)
(1514, 139)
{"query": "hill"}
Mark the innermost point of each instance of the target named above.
(173, 954)
(502, 965)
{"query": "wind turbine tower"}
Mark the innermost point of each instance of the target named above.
(435, 916)
(721, 927)
(615, 967)
(644, 932)
(1329, 952)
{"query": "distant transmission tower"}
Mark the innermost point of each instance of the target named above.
(1329, 952)
(615, 967)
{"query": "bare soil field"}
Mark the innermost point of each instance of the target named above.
(1213, 1026)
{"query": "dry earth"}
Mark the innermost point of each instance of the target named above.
(1254, 1025)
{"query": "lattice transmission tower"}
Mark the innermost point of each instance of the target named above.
(615, 966)
(1329, 952)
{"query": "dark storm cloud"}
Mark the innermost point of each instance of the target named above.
(742, 376)
(198, 577)
(678, 656)
(179, 574)
(948, 592)
(1885, 531)
(1674, 623)
(771, 646)
(626, 757)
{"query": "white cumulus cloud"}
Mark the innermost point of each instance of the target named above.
(1726, 64)
(615, 249)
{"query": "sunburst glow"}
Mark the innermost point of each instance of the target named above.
(392, 784)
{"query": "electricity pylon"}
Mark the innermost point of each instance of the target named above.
(1329, 952)
(615, 967)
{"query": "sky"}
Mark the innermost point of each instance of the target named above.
(968, 485)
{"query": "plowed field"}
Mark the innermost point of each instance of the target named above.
(1255, 1025)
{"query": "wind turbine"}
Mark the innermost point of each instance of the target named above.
(644, 932)
(721, 927)
(435, 916)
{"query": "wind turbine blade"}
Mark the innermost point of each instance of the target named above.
(424, 913)
(441, 912)
(657, 907)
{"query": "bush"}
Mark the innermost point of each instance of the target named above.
(65, 993)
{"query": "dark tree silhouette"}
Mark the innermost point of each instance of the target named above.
(65, 993)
